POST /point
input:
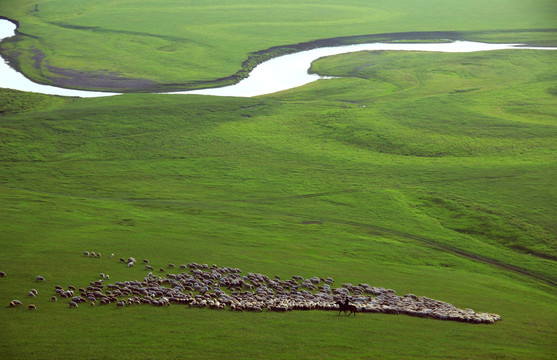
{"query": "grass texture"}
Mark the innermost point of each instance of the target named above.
(171, 44)
(424, 173)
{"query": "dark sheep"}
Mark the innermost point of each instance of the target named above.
(40, 278)
(32, 307)
(2, 274)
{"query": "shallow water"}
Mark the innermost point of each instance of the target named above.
(278, 74)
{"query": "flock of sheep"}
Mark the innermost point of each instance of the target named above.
(215, 287)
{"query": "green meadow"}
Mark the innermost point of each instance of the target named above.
(427, 173)
(171, 44)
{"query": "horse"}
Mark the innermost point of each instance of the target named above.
(346, 306)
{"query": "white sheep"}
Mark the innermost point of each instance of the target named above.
(15, 303)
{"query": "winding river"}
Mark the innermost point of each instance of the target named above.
(278, 74)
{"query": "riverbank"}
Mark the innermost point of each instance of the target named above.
(276, 74)
(112, 81)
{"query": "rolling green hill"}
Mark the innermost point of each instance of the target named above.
(430, 174)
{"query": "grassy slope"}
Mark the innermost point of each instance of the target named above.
(183, 41)
(390, 158)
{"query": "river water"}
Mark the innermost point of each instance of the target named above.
(11, 79)
(278, 74)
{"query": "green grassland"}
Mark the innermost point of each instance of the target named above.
(426, 173)
(170, 44)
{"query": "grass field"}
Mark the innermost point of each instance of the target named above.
(426, 173)
(169, 44)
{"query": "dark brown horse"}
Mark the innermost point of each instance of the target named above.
(346, 306)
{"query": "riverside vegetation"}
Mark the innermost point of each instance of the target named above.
(430, 174)
(124, 45)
